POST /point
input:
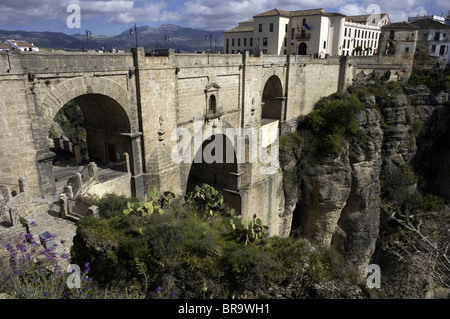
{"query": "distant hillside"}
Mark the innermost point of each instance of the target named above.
(56, 40)
(184, 39)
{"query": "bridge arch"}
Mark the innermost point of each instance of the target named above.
(215, 163)
(272, 99)
(71, 89)
(108, 122)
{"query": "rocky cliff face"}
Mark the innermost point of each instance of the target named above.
(338, 203)
(357, 228)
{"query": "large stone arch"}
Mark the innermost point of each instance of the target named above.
(273, 97)
(109, 117)
(70, 89)
(222, 175)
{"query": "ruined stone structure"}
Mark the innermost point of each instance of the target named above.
(134, 104)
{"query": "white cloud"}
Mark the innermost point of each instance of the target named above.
(353, 9)
(106, 6)
(153, 12)
(206, 14)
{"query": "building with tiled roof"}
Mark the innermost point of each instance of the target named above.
(313, 31)
(4, 46)
(278, 31)
(426, 38)
(22, 45)
(362, 33)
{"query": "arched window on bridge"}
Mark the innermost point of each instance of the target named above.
(212, 105)
(272, 99)
(212, 100)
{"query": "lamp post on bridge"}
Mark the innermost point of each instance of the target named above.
(216, 42)
(209, 37)
(135, 32)
(88, 36)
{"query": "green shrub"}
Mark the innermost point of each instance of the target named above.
(431, 202)
(397, 184)
(435, 80)
(207, 200)
(333, 121)
(181, 252)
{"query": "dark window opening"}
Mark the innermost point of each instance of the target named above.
(212, 104)
(391, 34)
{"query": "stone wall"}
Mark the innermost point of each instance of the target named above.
(37, 86)
(119, 186)
(14, 205)
(137, 102)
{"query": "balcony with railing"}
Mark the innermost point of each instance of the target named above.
(303, 36)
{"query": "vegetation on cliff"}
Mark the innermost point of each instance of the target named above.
(413, 233)
(204, 245)
(185, 251)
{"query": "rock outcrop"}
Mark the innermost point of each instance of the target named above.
(336, 203)
(357, 229)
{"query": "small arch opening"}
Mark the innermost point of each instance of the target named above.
(212, 105)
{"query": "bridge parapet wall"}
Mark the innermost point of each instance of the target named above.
(15, 62)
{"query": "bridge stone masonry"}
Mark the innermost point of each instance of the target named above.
(137, 104)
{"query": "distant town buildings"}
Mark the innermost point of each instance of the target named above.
(20, 45)
(4, 46)
(362, 34)
(433, 17)
(316, 32)
(424, 39)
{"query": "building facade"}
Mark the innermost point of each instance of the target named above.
(306, 32)
(362, 34)
(424, 40)
(22, 45)
(280, 32)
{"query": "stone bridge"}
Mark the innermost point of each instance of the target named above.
(147, 106)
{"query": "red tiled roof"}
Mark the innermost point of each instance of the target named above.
(273, 12)
(5, 46)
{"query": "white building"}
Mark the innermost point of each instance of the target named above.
(434, 39)
(362, 34)
(22, 45)
(427, 40)
(314, 32)
(433, 17)
(240, 38)
(281, 32)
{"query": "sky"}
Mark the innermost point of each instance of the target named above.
(111, 17)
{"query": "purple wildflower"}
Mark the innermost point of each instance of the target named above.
(158, 290)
